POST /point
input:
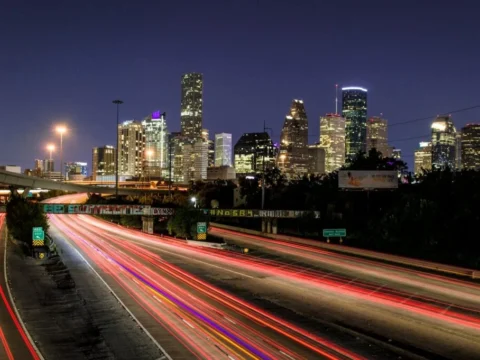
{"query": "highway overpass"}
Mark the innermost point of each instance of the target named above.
(31, 182)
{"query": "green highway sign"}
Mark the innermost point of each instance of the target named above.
(201, 227)
(328, 233)
(38, 233)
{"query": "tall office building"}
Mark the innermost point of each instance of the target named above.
(458, 151)
(156, 145)
(293, 157)
(316, 154)
(423, 158)
(332, 140)
(48, 166)
(131, 140)
(470, 147)
(377, 135)
(211, 147)
(354, 110)
(195, 160)
(443, 143)
(38, 169)
(103, 162)
(253, 152)
(191, 114)
(223, 149)
(176, 157)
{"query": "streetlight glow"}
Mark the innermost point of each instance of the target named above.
(194, 199)
(61, 129)
(51, 147)
(149, 153)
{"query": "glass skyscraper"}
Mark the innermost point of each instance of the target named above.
(156, 145)
(354, 110)
(131, 140)
(223, 149)
(253, 152)
(443, 143)
(191, 112)
(293, 158)
(470, 147)
(423, 158)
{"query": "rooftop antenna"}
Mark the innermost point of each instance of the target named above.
(336, 99)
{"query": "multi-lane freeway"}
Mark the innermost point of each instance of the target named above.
(320, 304)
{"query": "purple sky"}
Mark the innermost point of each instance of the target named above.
(65, 61)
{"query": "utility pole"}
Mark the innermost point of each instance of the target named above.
(118, 103)
(170, 166)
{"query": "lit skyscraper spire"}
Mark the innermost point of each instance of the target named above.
(443, 143)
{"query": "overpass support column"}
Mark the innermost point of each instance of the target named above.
(274, 226)
(25, 193)
(264, 225)
(269, 226)
(147, 224)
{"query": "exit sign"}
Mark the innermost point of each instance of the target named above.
(328, 233)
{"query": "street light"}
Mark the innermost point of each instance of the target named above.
(194, 201)
(118, 103)
(51, 149)
(61, 130)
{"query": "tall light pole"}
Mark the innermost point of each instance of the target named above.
(51, 149)
(263, 164)
(61, 130)
(118, 103)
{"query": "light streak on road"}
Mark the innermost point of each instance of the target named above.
(209, 322)
(4, 339)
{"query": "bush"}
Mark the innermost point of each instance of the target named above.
(22, 216)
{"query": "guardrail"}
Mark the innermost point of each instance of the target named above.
(396, 259)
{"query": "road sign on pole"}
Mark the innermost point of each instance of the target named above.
(328, 233)
(201, 230)
(38, 236)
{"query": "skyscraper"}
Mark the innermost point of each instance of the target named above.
(443, 143)
(211, 147)
(354, 110)
(317, 159)
(156, 144)
(195, 160)
(252, 151)
(377, 137)
(423, 158)
(103, 162)
(293, 157)
(191, 114)
(332, 140)
(131, 140)
(176, 156)
(223, 149)
(76, 170)
(470, 147)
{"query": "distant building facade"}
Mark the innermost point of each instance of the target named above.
(317, 159)
(191, 112)
(253, 152)
(103, 161)
(221, 173)
(470, 147)
(332, 140)
(443, 143)
(293, 157)
(377, 135)
(354, 110)
(223, 149)
(76, 170)
(131, 140)
(423, 158)
(156, 145)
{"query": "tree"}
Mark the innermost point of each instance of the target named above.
(22, 216)
(184, 223)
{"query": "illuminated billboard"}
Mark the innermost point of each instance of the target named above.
(377, 179)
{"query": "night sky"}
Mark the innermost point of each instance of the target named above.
(65, 61)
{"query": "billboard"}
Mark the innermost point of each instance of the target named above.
(285, 214)
(375, 179)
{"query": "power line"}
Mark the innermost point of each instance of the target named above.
(431, 117)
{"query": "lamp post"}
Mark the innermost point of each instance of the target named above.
(51, 149)
(61, 130)
(194, 201)
(118, 103)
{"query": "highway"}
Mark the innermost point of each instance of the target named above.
(205, 321)
(180, 286)
(14, 342)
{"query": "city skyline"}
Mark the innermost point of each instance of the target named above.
(36, 91)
